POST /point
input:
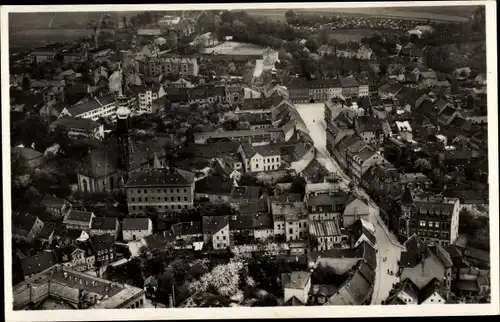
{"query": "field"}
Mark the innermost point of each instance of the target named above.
(235, 48)
(457, 14)
(32, 29)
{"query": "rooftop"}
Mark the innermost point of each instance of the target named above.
(160, 177)
(296, 280)
(136, 223)
(324, 228)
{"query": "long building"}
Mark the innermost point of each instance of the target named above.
(61, 288)
(160, 188)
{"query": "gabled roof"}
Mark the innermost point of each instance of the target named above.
(52, 201)
(161, 177)
(187, 228)
(23, 223)
(358, 230)
(368, 124)
(80, 216)
(104, 223)
(76, 123)
(136, 223)
(92, 104)
(296, 279)
(327, 200)
(38, 263)
(427, 291)
(213, 224)
(100, 242)
(293, 301)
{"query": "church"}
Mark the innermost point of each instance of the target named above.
(108, 168)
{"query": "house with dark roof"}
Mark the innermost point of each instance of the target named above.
(389, 90)
(159, 240)
(79, 257)
(78, 128)
(32, 157)
(76, 219)
(105, 226)
(432, 293)
(94, 108)
(46, 235)
(104, 248)
(326, 234)
(406, 293)
(369, 129)
(160, 189)
(35, 264)
(355, 209)
(361, 231)
(356, 290)
(244, 194)
(297, 285)
(214, 188)
(26, 226)
(136, 228)
(54, 205)
(422, 262)
(343, 260)
(216, 232)
(188, 231)
(325, 206)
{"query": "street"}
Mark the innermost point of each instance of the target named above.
(387, 244)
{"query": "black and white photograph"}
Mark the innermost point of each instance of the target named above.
(255, 157)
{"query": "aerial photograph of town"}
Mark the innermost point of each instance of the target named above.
(248, 158)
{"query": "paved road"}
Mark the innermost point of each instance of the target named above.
(387, 244)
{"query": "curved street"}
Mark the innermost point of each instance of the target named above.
(387, 245)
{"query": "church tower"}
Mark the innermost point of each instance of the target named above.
(123, 132)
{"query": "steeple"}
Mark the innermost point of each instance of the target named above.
(156, 162)
(407, 197)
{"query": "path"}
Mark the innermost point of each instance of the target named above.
(387, 244)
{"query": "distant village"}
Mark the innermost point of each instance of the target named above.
(234, 174)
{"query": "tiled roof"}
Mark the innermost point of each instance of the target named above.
(367, 272)
(358, 288)
(428, 290)
(135, 224)
(214, 185)
(24, 221)
(37, 263)
(368, 124)
(100, 242)
(81, 216)
(295, 280)
(213, 224)
(327, 200)
(92, 104)
(161, 177)
(348, 82)
(46, 231)
(358, 229)
(241, 222)
(27, 153)
(263, 221)
(250, 193)
(76, 123)
(104, 223)
(187, 228)
(52, 201)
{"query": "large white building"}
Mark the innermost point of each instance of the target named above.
(94, 109)
(261, 158)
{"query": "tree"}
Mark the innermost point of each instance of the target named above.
(124, 20)
(26, 83)
(423, 164)
(35, 130)
(312, 44)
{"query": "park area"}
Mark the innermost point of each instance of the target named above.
(235, 48)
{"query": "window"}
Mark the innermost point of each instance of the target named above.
(422, 223)
(178, 190)
(185, 190)
(139, 199)
(133, 207)
(185, 198)
(224, 237)
(290, 231)
(145, 191)
(133, 199)
(179, 207)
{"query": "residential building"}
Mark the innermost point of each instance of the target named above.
(104, 248)
(261, 158)
(350, 86)
(405, 293)
(327, 206)
(41, 55)
(32, 157)
(354, 210)
(74, 290)
(432, 293)
(362, 231)
(35, 264)
(105, 226)
(404, 130)
(160, 190)
(76, 219)
(165, 65)
(56, 206)
(296, 285)
(79, 257)
(299, 91)
(433, 218)
(326, 234)
(322, 90)
(94, 108)
(26, 226)
(244, 194)
(369, 129)
(136, 228)
(356, 290)
(422, 263)
(216, 231)
(79, 128)
(256, 137)
(206, 94)
(145, 96)
(290, 219)
(343, 260)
